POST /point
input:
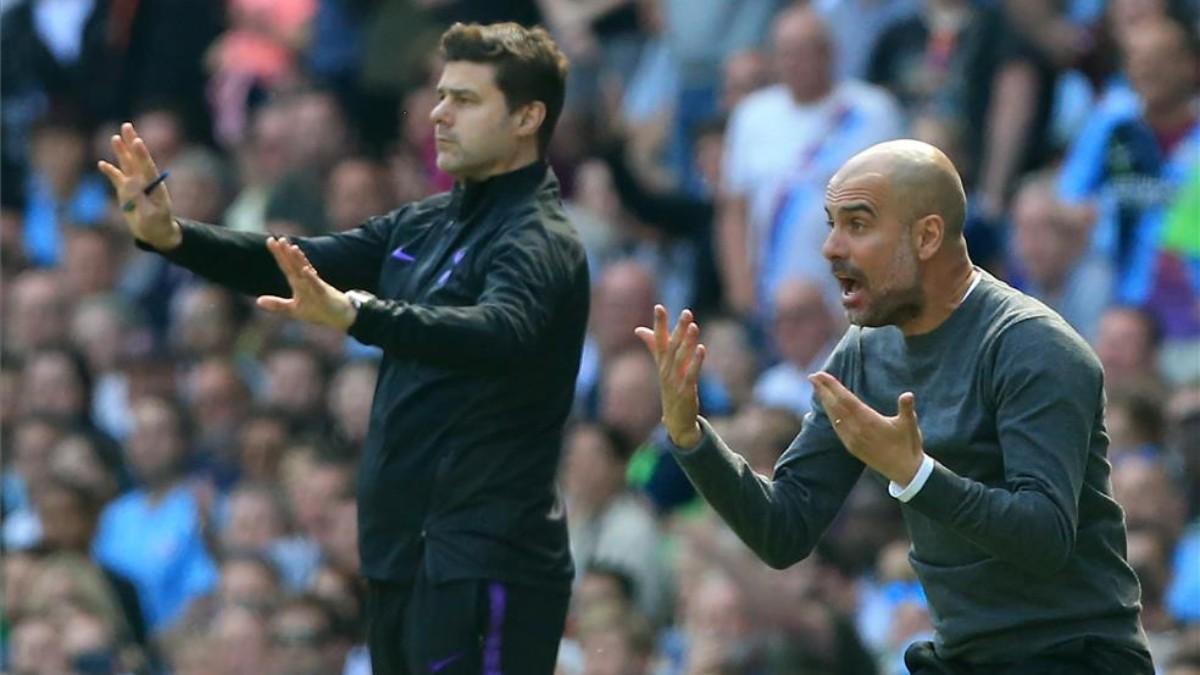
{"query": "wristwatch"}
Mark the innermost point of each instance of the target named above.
(357, 298)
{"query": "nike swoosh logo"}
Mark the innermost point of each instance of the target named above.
(400, 255)
(436, 666)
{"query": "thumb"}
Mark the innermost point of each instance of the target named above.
(275, 304)
(647, 337)
(907, 403)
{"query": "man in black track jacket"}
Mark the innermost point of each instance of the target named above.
(479, 300)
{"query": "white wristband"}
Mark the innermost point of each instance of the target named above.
(906, 493)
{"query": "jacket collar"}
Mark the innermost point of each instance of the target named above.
(471, 197)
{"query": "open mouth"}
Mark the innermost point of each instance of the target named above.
(852, 290)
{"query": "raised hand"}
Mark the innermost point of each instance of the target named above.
(150, 218)
(679, 357)
(313, 299)
(890, 445)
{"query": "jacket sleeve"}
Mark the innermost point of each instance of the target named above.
(528, 276)
(1049, 391)
(241, 261)
(780, 519)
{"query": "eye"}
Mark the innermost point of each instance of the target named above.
(857, 225)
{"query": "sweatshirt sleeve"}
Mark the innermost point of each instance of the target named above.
(1047, 392)
(780, 519)
(527, 277)
(241, 261)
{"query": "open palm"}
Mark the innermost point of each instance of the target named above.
(149, 219)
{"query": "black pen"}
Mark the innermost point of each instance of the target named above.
(129, 206)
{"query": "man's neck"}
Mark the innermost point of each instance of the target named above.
(520, 159)
(944, 292)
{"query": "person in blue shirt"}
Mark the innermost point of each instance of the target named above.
(1132, 159)
(153, 534)
(58, 191)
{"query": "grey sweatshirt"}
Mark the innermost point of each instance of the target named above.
(1015, 535)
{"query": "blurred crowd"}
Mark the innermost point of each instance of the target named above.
(178, 468)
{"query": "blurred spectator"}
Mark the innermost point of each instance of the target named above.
(353, 384)
(305, 638)
(628, 395)
(1129, 164)
(295, 380)
(1002, 88)
(61, 192)
(37, 307)
(262, 161)
(203, 322)
(57, 59)
(239, 642)
(69, 513)
(682, 220)
(37, 648)
(218, 399)
(153, 534)
(783, 144)
(1151, 498)
(90, 261)
(33, 440)
(913, 56)
(623, 300)
(357, 189)
(262, 438)
(763, 434)
(616, 644)
(1127, 342)
(609, 525)
(82, 458)
(1135, 424)
(78, 598)
(163, 129)
(716, 46)
(1149, 554)
(258, 52)
(104, 328)
(855, 24)
(57, 382)
(732, 363)
(803, 330)
(743, 74)
(199, 185)
(1051, 257)
(248, 581)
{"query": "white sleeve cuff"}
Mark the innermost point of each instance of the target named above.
(906, 493)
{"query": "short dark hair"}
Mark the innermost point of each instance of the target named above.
(529, 65)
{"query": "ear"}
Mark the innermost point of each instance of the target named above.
(530, 118)
(927, 235)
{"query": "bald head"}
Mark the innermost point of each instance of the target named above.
(896, 242)
(921, 178)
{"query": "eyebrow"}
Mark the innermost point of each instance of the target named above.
(454, 91)
(855, 207)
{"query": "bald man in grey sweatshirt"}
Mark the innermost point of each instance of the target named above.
(1002, 477)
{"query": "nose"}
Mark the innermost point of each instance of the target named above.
(440, 115)
(834, 247)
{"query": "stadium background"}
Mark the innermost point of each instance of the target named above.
(306, 116)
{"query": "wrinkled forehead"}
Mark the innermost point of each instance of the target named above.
(854, 189)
